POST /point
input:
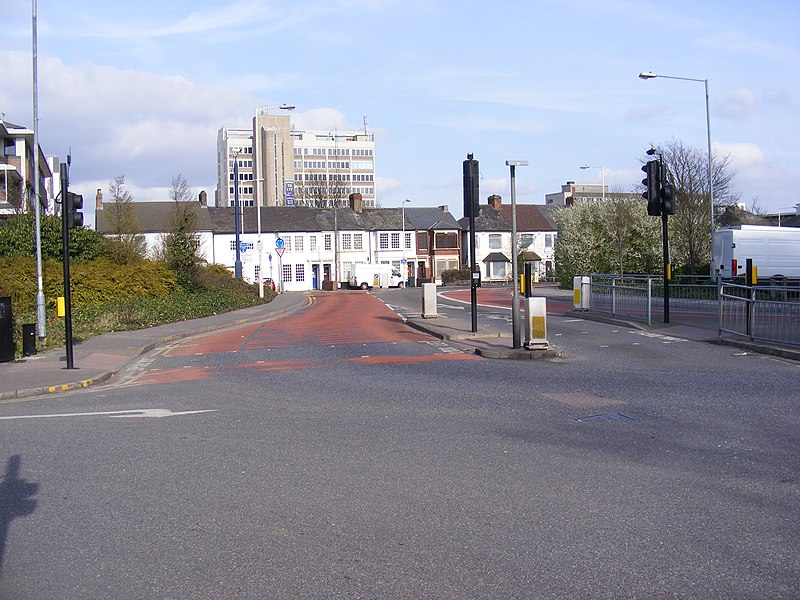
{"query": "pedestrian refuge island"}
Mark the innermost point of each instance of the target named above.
(429, 310)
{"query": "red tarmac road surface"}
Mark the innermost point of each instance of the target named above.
(331, 319)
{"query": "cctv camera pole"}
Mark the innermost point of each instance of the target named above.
(65, 259)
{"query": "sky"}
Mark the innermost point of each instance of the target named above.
(140, 89)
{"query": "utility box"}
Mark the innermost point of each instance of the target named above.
(536, 324)
(429, 310)
(6, 330)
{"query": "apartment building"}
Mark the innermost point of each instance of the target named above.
(16, 172)
(576, 192)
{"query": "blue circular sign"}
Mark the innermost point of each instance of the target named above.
(279, 243)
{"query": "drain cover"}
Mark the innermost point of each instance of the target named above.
(612, 418)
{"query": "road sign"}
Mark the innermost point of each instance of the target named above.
(279, 251)
(279, 243)
(242, 247)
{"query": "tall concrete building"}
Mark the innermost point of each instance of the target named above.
(281, 166)
(572, 192)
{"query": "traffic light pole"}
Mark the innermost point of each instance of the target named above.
(471, 207)
(65, 215)
(667, 265)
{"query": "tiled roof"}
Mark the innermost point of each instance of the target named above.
(488, 219)
(153, 217)
(530, 217)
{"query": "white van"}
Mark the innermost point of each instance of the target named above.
(774, 250)
(367, 276)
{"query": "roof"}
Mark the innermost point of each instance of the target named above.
(496, 257)
(531, 217)
(488, 219)
(153, 217)
(431, 218)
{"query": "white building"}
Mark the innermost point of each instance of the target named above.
(282, 166)
(577, 192)
(16, 172)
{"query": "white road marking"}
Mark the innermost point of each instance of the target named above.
(116, 414)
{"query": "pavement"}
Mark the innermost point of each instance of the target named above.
(97, 359)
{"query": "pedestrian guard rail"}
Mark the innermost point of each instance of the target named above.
(762, 312)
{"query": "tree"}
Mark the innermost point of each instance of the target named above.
(324, 190)
(17, 238)
(179, 246)
(605, 236)
(128, 243)
(690, 227)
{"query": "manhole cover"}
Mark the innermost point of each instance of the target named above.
(612, 418)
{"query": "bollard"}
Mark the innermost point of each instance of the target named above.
(580, 292)
(429, 310)
(536, 324)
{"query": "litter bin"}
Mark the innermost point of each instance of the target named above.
(6, 330)
(28, 339)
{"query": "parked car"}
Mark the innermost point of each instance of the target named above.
(268, 283)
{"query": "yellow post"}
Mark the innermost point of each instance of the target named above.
(61, 310)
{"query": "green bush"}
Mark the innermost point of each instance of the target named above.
(456, 276)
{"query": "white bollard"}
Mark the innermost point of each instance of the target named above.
(580, 292)
(429, 310)
(536, 324)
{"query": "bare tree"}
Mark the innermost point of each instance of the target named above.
(324, 190)
(179, 247)
(690, 228)
(130, 243)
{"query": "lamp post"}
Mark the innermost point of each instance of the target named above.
(650, 75)
(237, 265)
(602, 177)
(515, 336)
(403, 241)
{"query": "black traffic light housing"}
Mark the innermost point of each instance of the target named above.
(653, 184)
(668, 198)
(72, 207)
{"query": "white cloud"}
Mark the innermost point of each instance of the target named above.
(738, 105)
(744, 155)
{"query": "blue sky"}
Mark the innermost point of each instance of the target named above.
(141, 88)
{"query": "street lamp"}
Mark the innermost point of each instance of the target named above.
(602, 177)
(237, 265)
(650, 75)
(512, 165)
(403, 241)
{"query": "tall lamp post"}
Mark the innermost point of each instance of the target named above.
(515, 335)
(403, 241)
(650, 75)
(237, 265)
(602, 177)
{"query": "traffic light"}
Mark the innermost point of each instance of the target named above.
(668, 198)
(73, 206)
(653, 183)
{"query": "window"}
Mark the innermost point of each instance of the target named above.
(299, 272)
(497, 270)
(495, 241)
(383, 241)
(446, 240)
(548, 240)
(327, 241)
(312, 243)
(347, 241)
(358, 241)
(525, 240)
(258, 272)
(244, 246)
(287, 243)
(407, 241)
(395, 241)
(422, 240)
(286, 273)
(298, 243)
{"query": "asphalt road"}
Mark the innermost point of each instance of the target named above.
(344, 455)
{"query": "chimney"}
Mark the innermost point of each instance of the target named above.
(495, 201)
(356, 202)
(203, 198)
(98, 199)
(445, 208)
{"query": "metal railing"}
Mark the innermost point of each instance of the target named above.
(769, 314)
(765, 312)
